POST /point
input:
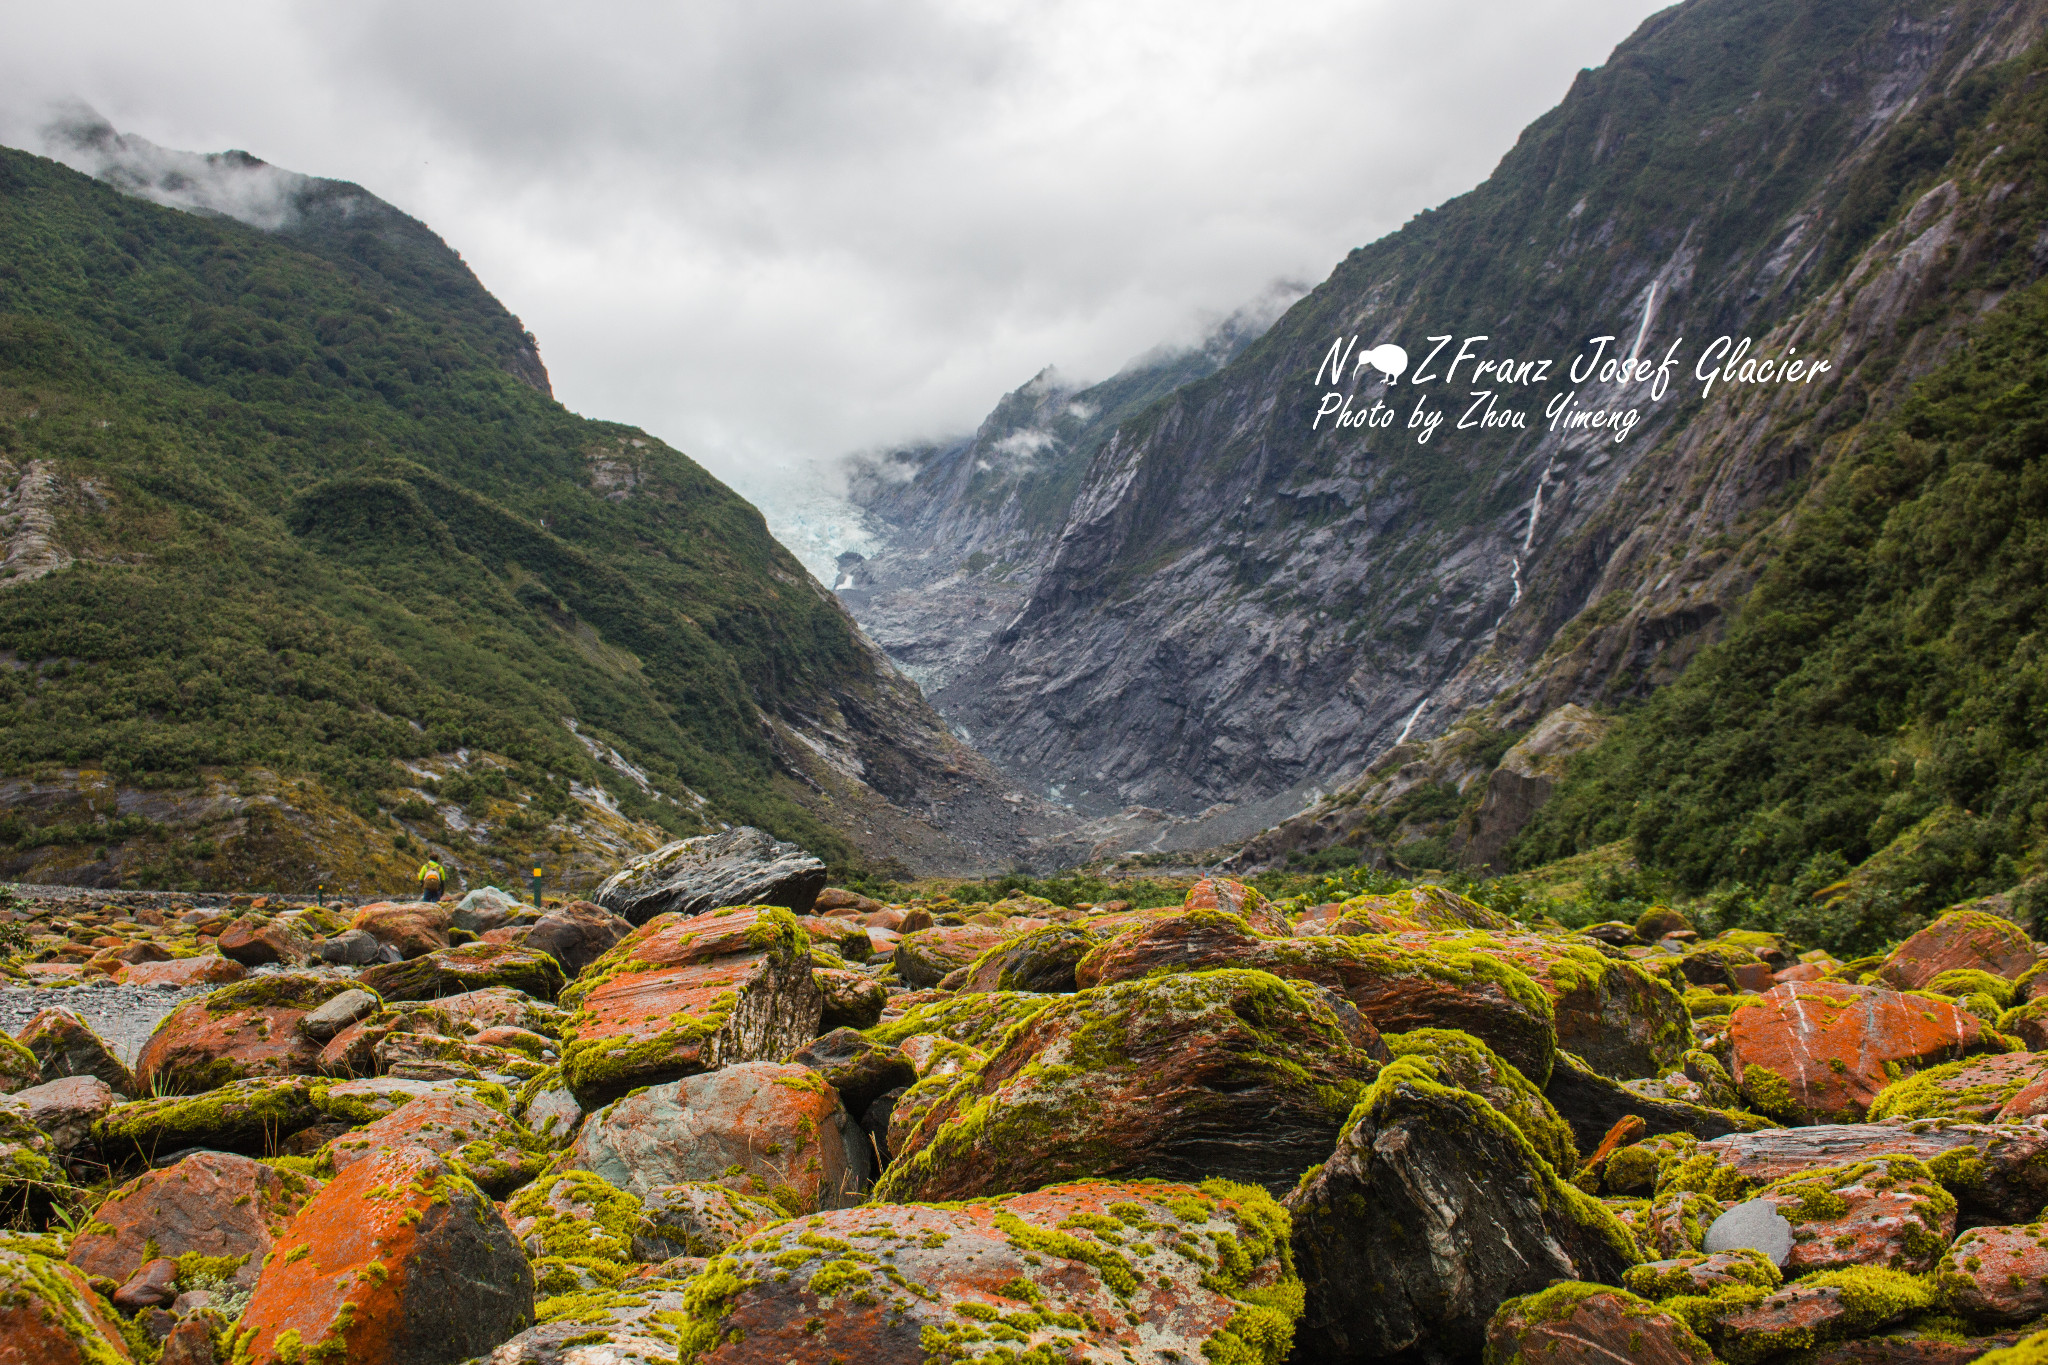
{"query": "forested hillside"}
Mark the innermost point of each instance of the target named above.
(294, 512)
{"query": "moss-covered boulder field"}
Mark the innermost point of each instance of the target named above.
(1220, 1126)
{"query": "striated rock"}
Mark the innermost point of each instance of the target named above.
(1815, 1311)
(65, 1045)
(259, 943)
(1887, 1212)
(212, 1204)
(1702, 1274)
(851, 999)
(64, 1110)
(705, 1218)
(1464, 1063)
(1678, 1223)
(576, 934)
(1960, 939)
(928, 956)
(1232, 897)
(476, 1141)
(769, 1129)
(742, 866)
(1382, 1231)
(859, 1068)
(49, 1315)
(1995, 1172)
(1931, 1347)
(1096, 1270)
(978, 1020)
(470, 967)
(1590, 1324)
(495, 1006)
(245, 1030)
(1592, 1104)
(414, 928)
(1817, 1051)
(1398, 988)
(1998, 1274)
(398, 1261)
(630, 1325)
(1227, 1073)
(1977, 1089)
(208, 969)
(684, 995)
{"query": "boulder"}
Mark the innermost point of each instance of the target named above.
(1398, 988)
(207, 969)
(851, 999)
(476, 1140)
(65, 1045)
(1620, 1019)
(350, 948)
(1976, 1089)
(1384, 1231)
(1097, 1270)
(1938, 1344)
(190, 1341)
(1042, 960)
(1965, 939)
(684, 995)
(245, 1030)
(28, 1176)
(398, 1261)
(414, 928)
(1433, 907)
(64, 1110)
(1821, 1051)
(577, 934)
(470, 967)
(49, 1315)
(484, 909)
(926, 957)
(859, 1068)
(632, 1325)
(742, 866)
(1818, 1310)
(1592, 1104)
(1998, 1173)
(978, 1020)
(1231, 897)
(1755, 1225)
(705, 1218)
(1678, 1222)
(1885, 1212)
(1590, 1324)
(1234, 1074)
(1693, 1273)
(337, 1014)
(834, 900)
(1998, 1274)
(259, 943)
(500, 1006)
(1463, 1062)
(154, 1285)
(768, 1129)
(579, 1219)
(252, 1116)
(212, 1204)
(19, 1067)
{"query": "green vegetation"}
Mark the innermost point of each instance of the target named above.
(320, 524)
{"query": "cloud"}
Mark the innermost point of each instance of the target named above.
(774, 232)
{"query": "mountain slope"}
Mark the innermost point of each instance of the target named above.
(288, 510)
(1242, 607)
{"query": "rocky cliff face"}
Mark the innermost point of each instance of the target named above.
(1244, 605)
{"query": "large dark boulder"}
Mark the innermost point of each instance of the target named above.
(1432, 1210)
(743, 866)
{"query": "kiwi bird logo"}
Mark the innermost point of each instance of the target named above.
(1389, 359)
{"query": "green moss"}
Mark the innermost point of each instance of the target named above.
(581, 1215)
(2031, 1351)
(1670, 1279)
(1933, 1093)
(1962, 981)
(1638, 1167)
(1768, 1093)
(1701, 1173)
(980, 1019)
(1466, 1063)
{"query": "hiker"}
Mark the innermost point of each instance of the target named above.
(431, 876)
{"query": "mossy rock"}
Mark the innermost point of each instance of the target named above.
(1974, 1089)
(1958, 982)
(252, 1117)
(1042, 960)
(1463, 1062)
(1658, 921)
(979, 1019)
(1681, 1274)
(471, 967)
(1637, 1168)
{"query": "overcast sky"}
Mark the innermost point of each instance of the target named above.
(772, 232)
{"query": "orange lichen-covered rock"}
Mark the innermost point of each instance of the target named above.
(1817, 1051)
(1997, 1172)
(679, 996)
(213, 1204)
(1590, 1324)
(926, 957)
(1229, 1073)
(245, 1030)
(49, 1315)
(208, 969)
(1976, 1089)
(398, 1261)
(1961, 938)
(414, 928)
(476, 1140)
(1887, 1212)
(768, 1129)
(65, 1045)
(1097, 1270)
(1431, 906)
(1999, 1274)
(1623, 1021)
(1235, 898)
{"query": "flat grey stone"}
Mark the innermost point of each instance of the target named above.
(1754, 1223)
(337, 1014)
